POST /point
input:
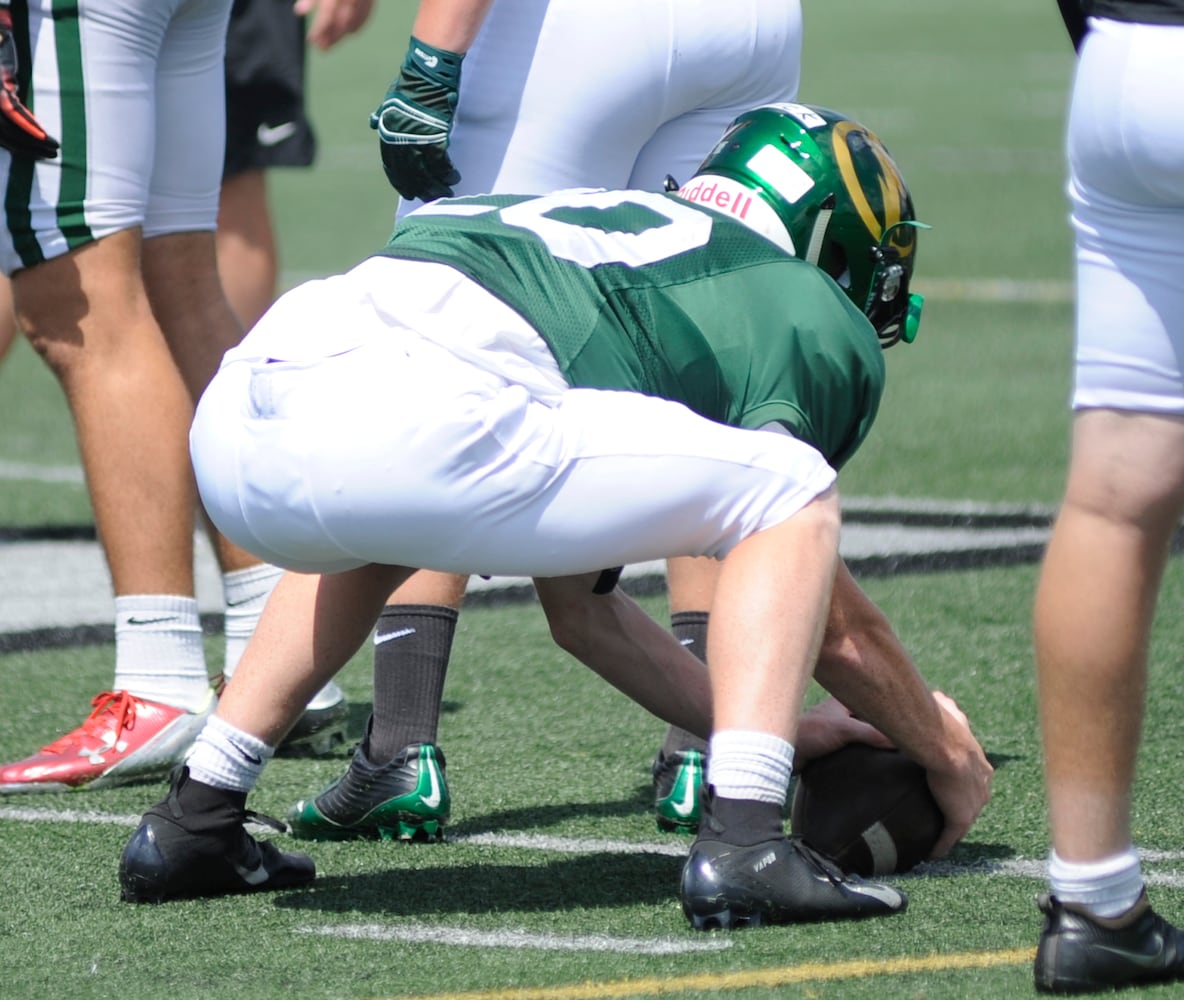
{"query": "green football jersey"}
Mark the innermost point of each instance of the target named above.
(646, 292)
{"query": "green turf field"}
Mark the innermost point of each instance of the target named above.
(555, 882)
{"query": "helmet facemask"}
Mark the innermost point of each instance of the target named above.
(894, 311)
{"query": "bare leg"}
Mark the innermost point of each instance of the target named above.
(427, 587)
(625, 646)
(248, 259)
(1093, 613)
(767, 621)
(311, 627)
(87, 313)
(8, 329)
(180, 273)
(691, 582)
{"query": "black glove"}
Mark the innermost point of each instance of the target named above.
(414, 121)
(20, 133)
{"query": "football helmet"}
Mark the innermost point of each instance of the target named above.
(839, 195)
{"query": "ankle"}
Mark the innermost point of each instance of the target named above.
(742, 822)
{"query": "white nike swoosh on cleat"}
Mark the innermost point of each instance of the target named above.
(432, 799)
(252, 876)
(380, 639)
(883, 893)
(686, 805)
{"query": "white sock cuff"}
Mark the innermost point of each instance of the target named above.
(245, 592)
(1116, 864)
(747, 764)
(159, 652)
(241, 584)
(1109, 886)
(173, 611)
(225, 756)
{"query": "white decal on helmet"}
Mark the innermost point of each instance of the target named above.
(780, 172)
(807, 117)
(742, 203)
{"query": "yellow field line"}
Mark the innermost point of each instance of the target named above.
(782, 976)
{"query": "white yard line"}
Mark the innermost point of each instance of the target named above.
(458, 937)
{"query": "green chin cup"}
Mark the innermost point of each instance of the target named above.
(912, 320)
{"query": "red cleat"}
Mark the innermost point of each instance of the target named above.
(125, 739)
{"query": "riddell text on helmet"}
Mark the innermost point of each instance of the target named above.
(719, 192)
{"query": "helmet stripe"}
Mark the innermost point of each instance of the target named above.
(891, 186)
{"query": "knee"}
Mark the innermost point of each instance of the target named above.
(574, 612)
(570, 624)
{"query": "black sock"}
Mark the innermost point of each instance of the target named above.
(412, 646)
(200, 807)
(690, 629)
(742, 822)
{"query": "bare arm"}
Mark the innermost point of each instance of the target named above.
(450, 24)
(866, 667)
(625, 646)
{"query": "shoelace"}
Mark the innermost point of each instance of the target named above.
(820, 861)
(117, 705)
(250, 816)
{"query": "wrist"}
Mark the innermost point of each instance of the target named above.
(440, 66)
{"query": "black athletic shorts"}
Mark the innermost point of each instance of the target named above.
(266, 125)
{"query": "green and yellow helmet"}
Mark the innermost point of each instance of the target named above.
(837, 199)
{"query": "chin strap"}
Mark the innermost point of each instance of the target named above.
(818, 233)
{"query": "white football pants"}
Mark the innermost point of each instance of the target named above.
(341, 432)
(1126, 158)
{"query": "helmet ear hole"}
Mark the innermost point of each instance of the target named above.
(834, 263)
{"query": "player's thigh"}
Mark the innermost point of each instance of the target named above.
(190, 120)
(1128, 467)
(491, 480)
(93, 77)
(1126, 151)
(353, 453)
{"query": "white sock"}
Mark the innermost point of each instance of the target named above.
(225, 756)
(245, 592)
(744, 764)
(1108, 887)
(158, 650)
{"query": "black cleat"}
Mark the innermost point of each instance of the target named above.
(193, 844)
(781, 881)
(1083, 953)
(406, 798)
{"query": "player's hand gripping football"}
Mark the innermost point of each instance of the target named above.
(829, 726)
(963, 787)
(414, 121)
(20, 133)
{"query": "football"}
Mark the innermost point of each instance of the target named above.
(867, 808)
